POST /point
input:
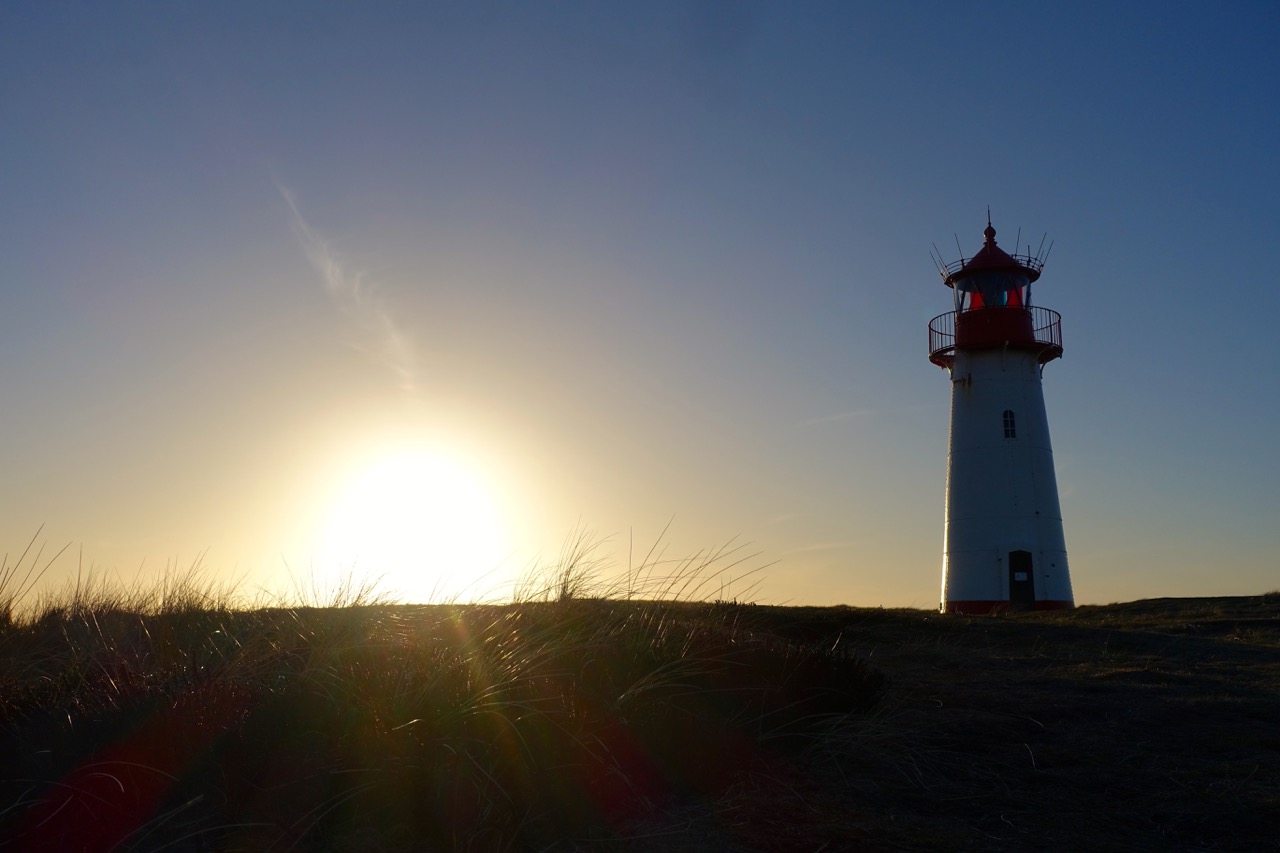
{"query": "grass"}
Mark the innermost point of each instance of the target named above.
(629, 714)
(173, 719)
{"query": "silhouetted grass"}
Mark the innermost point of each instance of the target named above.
(171, 719)
(626, 714)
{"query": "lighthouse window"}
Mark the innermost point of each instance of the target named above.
(1010, 427)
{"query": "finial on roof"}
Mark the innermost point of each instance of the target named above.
(989, 232)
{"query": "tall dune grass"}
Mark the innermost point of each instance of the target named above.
(174, 718)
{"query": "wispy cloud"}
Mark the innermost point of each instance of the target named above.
(827, 546)
(851, 414)
(372, 330)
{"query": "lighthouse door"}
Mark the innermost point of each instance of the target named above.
(1022, 590)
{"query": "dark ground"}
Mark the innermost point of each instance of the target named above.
(1152, 725)
(648, 727)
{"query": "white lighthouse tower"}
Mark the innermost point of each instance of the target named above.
(1003, 543)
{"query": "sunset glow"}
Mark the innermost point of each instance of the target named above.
(414, 290)
(419, 520)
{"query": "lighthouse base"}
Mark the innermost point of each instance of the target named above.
(990, 608)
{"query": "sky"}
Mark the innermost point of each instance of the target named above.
(299, 292)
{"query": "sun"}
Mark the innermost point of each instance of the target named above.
(422, 521)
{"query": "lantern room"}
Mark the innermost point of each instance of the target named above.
(992, 297)
(992, 278)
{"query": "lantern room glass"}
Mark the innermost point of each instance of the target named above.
(995, 289)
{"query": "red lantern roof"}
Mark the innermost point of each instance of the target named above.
(991, 257)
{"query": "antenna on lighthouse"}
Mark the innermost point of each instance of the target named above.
(936, 257)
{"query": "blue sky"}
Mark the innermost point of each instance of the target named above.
(622, 264)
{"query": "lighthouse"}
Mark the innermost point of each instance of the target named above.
(1003, 545)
